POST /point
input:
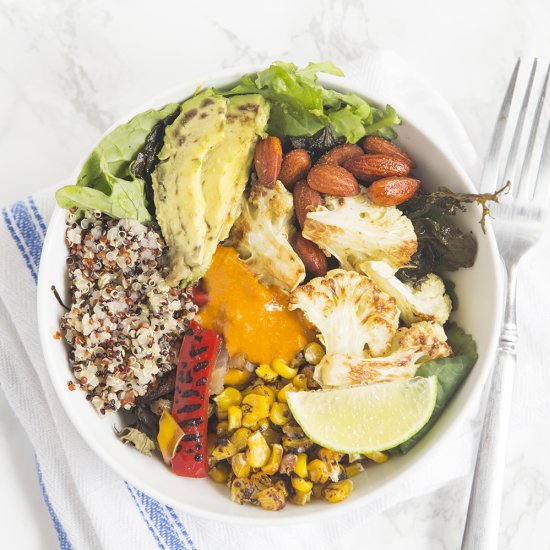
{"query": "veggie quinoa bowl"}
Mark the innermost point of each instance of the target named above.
(249, 352)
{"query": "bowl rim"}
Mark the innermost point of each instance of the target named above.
(221, 78)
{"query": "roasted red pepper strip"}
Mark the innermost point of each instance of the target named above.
(198, 354)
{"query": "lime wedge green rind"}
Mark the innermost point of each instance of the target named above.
(364, 419)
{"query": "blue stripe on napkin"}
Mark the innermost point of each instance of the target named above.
(27, 228)
(64, 542)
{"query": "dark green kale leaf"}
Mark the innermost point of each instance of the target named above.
(319, 143)
(147, 158)
(450, 372)
(442, 246)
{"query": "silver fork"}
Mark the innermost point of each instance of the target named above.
(518, 223)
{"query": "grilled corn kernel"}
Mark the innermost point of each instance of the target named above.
(318, 471)
(313, 353)
(263, 425)
(353, 457)
(300, 484)
(222, 415)
(236, 377)
(296, 445)
(265, 372)
(339, 491)
(300, 498)
(224, 449)
(300, 382)
(222, 427)
(272, 499)
(301, 465)
(281, 485)
(255, 407)
(317, 490)
(281, 396)
(243, 490)
(239, 438)
(261, 481)
(354, 469)
(250, 389)
(262, 389)
(257, 453)
(279, 414)
(218, 473)
(272, 467)
(377, 457)
(234, 417)
(239, 465)
(331, 459)
(282, 368)
(329, 456)
(228, 397)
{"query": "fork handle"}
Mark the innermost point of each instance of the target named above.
(483, 519)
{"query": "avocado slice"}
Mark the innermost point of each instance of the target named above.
(226, 169)
(177, 181)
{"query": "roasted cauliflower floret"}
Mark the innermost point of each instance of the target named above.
(410, 348)
(353, 229)
(351, 313)
(428, 302)
(261, 236)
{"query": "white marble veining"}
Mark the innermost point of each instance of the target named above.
(70, 67)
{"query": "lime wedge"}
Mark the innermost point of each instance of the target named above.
(365, 419)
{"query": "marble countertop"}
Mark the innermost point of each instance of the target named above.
(68, 68)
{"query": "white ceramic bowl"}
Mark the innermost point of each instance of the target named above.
(478, 288)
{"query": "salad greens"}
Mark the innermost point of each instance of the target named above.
(450, 372)
(442, 246)
(300, 106)
(106, 181)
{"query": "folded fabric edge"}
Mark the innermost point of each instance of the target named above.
(27, 228)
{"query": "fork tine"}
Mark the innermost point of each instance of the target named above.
(511, 164)
(528, 161)
(541, 192)
(490, 170)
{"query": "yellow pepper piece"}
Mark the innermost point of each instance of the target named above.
(169, 436)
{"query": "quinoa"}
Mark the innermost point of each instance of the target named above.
(125, 324)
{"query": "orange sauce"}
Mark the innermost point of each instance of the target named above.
(253, 318)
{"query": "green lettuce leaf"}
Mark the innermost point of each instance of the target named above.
(106, 181)
(302, 107)
(450, 372)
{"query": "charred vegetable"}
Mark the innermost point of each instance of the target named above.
(190, 409)
(442, 246)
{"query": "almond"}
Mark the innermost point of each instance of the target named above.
(311, 255)
(374, 167)
(392, 191)
(339, 154)
(267, 160)
(296, 165)
(373, 144)
(332, 180)
(306, 200)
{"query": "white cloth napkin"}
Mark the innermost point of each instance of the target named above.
(93, 508)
